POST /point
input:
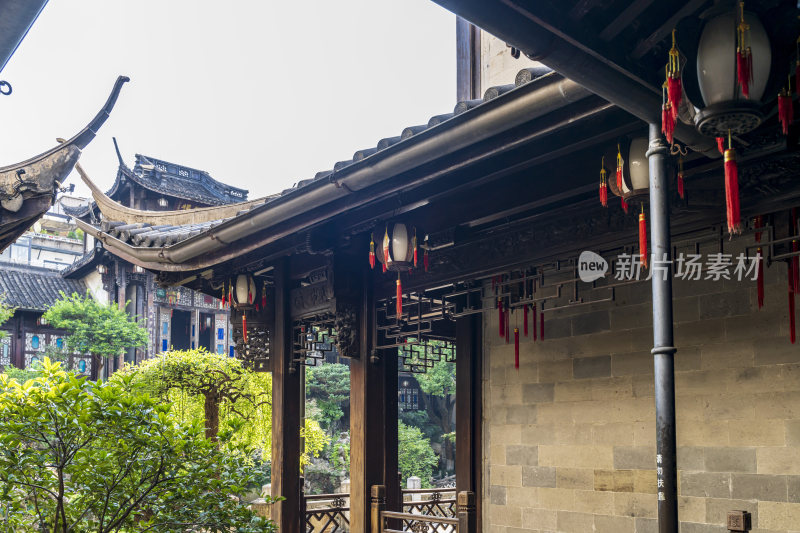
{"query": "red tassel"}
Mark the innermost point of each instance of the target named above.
(244, 327)
(500, 317)
(744, 71)
(624, 205)
(674, 93)
(760, 280)
(603, 194)
(681, 190)
(674, 85)
(399, 297)
(785, 111)
(249, 295)
(384, 267)
(525, 319)
(721, 144)
(535, 327)
(744, 57)
(791, 308)
(223, 295)
(758, 222)
(516, 348)
(667, 123)
(258, 307)
(642, 239)
(732, 192)
(371, 252)
(795, 268)
(414, 245)
(620, 163)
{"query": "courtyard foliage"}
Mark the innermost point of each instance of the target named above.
(77, 455)
(103, 330)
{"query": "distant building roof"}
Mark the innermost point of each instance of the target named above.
(183, 182)
(169, 179)
(34, 288)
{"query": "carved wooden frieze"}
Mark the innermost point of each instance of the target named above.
(315, 296)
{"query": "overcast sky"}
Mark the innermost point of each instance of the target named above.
(259, 94)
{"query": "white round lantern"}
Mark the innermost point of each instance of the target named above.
(638, 165)
(726, 107)
(399, 245)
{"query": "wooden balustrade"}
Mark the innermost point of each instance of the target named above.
(463, 522)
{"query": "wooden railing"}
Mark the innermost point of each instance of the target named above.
(431, 503)
(383, 521)
(326, 513)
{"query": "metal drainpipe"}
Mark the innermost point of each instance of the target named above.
(663, 349)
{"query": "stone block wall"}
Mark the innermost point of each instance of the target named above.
(569, 438)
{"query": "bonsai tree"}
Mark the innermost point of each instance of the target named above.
(221, 393)
(102, 330)
(85, 456)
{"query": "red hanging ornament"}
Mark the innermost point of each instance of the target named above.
(721, 144)
(230, 293)
(535, 328)
(620, 164)
(249, 293)
(223, 295)
(681, 189)
(791, 306)
(244, 327)
(371, 252)
(642, 239)
(674, 85)
(516, 348)
(624, 205)
(399, 297)
(760, 279)
(414, 245)
(758, 223)
(603, 184)
(785, 110)
(795, 268)
(744, 57)
(667, 123)
(732, 190)
(525, 319)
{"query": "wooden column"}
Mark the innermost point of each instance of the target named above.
(286, 412)
(373, 419)
(469, 433)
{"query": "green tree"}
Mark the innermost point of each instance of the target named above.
(6, 312)
(439, 386)
(102, 330)
(328, 386)
(82, 456)
(218, 391)
(415, 457)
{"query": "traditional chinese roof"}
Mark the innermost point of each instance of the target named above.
(34, 288)
(27, 189)
(466, 116)
(182, 182)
